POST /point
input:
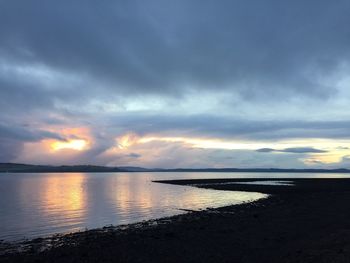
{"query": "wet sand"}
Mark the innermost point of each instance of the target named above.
(307, 222)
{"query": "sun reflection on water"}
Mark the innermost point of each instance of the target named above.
(64, 195)
(44, 204)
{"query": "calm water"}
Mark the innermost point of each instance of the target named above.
(33, 205)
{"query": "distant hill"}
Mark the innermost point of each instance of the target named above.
(135, 169)
(29, 168)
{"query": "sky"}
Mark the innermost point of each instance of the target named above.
(169, 84)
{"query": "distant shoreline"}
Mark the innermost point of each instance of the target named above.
(29, 168)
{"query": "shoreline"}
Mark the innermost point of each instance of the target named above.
(42, 243)
(307, 222)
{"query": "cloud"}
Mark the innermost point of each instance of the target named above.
(177, 154)
(13, 139)
(292, 150)
(209, 125)
(134, 155)
(134, 48)
(26, 134)
(234, 70)
(265, 150)
(10, 149)
(303, 150)
(343, 148)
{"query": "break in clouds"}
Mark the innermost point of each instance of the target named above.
(175, 83)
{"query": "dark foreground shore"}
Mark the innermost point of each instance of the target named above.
(307, 222)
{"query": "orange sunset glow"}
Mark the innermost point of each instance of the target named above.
(78, 145)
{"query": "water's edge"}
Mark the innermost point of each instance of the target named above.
(43, 243)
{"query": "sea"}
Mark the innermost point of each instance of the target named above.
(42, 204)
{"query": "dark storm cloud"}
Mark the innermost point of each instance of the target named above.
(292, 150)
(160, 47)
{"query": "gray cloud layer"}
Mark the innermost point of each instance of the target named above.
(229, 128)
(161, 47)
(64, 62)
